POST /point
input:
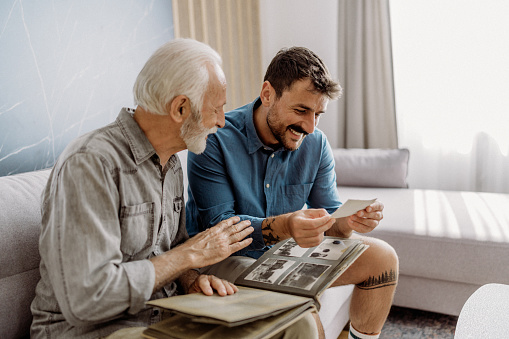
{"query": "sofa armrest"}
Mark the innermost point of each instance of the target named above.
(371, 167)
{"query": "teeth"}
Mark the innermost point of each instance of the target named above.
(295, 132)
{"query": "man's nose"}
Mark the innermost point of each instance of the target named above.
(310, 123)
(220, 118)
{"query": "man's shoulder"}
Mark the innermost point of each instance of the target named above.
(237, 118)
(104, 143)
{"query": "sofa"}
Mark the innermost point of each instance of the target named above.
(19, 258)
(449, 243)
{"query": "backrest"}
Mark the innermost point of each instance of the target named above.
(20, 224)
(372, 167)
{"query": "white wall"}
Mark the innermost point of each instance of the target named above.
(286, 23)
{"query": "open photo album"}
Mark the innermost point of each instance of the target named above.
(279, 288)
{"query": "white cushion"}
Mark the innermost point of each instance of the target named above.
(445, 235)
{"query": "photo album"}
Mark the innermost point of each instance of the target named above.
(279, 288)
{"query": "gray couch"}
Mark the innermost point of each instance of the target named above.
(19, 259)
(449, 243)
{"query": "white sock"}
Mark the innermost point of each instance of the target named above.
(354, 334)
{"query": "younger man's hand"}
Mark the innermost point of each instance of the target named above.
(368, 219)
(307, 227)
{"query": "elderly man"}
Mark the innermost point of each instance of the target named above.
(113, 222)
(268, 162)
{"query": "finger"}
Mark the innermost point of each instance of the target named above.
(377, 215)
(228, 222)
(310, 242)
(314, 223)
(307, 232)
(239, 227)
(316, 212)
(376, 206)
(241, 235)
(230, 288)
(204, 284)
(218, 285)
(234, 287)
(362, 225)
(237, 246)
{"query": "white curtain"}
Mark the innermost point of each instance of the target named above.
(452, 92)
(233, 29)
(367, 110)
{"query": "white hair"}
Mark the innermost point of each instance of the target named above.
(179, 67)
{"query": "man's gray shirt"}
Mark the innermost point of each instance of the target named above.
(107, 208)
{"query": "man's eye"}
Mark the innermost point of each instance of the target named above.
(300, 111)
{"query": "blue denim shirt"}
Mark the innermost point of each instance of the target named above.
(239, 175)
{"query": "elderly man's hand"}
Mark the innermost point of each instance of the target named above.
(218, 242)
(206, 284)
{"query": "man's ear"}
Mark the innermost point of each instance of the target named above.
(268, 94)
(179, 108)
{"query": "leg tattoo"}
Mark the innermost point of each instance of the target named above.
(383, 280)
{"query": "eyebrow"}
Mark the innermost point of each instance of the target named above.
(307, 108)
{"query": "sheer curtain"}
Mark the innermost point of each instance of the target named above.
(366, 110)
(452, 92)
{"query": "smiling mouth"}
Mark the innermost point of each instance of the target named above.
(297, 133)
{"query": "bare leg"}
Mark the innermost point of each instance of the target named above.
(375, 275)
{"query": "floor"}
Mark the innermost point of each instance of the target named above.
(407, 323)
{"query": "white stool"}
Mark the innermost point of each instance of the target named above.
(485, 314)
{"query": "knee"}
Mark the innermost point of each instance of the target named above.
(383, 255)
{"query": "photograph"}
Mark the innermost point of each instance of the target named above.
(330, 249)
(291, 249)
(304, 276)
(270, 270)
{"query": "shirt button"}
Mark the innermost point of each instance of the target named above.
(268, 185)
(272, 155)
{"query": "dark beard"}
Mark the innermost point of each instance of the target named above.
(280, 135)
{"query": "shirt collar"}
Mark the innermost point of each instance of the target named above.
(253, 141)
(140, 146)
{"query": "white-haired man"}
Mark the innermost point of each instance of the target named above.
(113, 223)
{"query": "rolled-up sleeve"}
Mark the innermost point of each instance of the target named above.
(80, 246)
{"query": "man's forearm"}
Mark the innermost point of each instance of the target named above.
(168, 267)
(274, 229)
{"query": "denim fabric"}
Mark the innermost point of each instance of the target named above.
(107, 208)
(239, 175)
